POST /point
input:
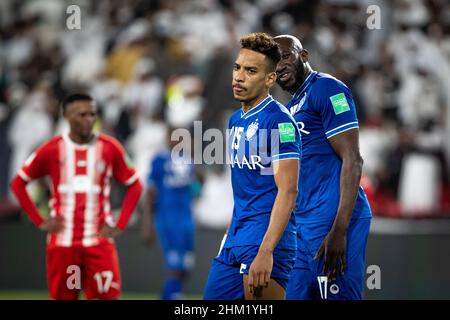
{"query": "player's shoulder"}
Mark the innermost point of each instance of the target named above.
(324, 81)
(109, 141)
(235, 116)
(276, 110)
(276, 107)
(51, 145)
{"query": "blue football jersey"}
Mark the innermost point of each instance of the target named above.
(172, 179)
(323, 107)
(264, 134)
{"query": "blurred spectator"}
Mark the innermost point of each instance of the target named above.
(144, 94)
(184, 101)
(31, 126)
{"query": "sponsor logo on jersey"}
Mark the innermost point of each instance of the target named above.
(242, 162)
(339, 102)
(287, 132)
(296, 108)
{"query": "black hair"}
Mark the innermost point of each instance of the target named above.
(74, 97)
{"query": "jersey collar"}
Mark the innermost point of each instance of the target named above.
(77, 145)
(304, 85)
(257, 108)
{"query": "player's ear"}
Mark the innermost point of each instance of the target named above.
(65, 113)
(271, 78)
(305, 55)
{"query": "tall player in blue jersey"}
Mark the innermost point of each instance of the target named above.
(258, 250)
(168, 214)
(332, 212)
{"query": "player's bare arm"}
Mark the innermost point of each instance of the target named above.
(286, 179)
(346, 145)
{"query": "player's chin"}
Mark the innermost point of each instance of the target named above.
(282, 84)
(285, 85)
(87, 132)
(239, 97)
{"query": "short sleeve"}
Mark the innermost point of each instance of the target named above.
(123, 169)
(334, 103)
(37, 165)
(284, 137)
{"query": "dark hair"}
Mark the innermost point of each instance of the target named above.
(263, 43)
(75, 97)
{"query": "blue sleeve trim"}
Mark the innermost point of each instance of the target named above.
(341, 129)
(287, 155)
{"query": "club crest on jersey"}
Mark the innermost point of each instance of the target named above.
(251, 130)
(296, 108)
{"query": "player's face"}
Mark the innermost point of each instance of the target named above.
(292, 66)
(81, 116)
(251, 77)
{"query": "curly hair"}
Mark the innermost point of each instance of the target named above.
(263, 43)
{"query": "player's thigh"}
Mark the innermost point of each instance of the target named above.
(224, 279)
(353, 279)
(179, 251)
(101, 279)
(283, 263)
(178, 260)
(274, 291)
(301, 285)
(349, 286)
(63, 273)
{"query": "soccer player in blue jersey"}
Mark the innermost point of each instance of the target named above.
(168, 212)
(258, 251)
(332, 212)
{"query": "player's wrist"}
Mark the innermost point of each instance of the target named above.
(340, 228)
(119, 228)
(264, 249)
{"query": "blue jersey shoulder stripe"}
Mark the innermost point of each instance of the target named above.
(341, 128)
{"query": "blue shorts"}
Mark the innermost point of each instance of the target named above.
(177, 246)
(307, 282)
(225, 279)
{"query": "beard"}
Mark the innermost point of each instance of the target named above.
(296, 78)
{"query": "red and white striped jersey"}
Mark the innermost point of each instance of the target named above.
(81, 183)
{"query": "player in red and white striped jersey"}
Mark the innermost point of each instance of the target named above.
(81, 165)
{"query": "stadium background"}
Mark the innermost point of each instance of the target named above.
(151, 64)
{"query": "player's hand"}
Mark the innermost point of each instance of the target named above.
(53, 224)
(109, 232)
(259, 273)
(148, 235)
(334, 249)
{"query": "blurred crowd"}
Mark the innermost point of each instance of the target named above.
(152, 65)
